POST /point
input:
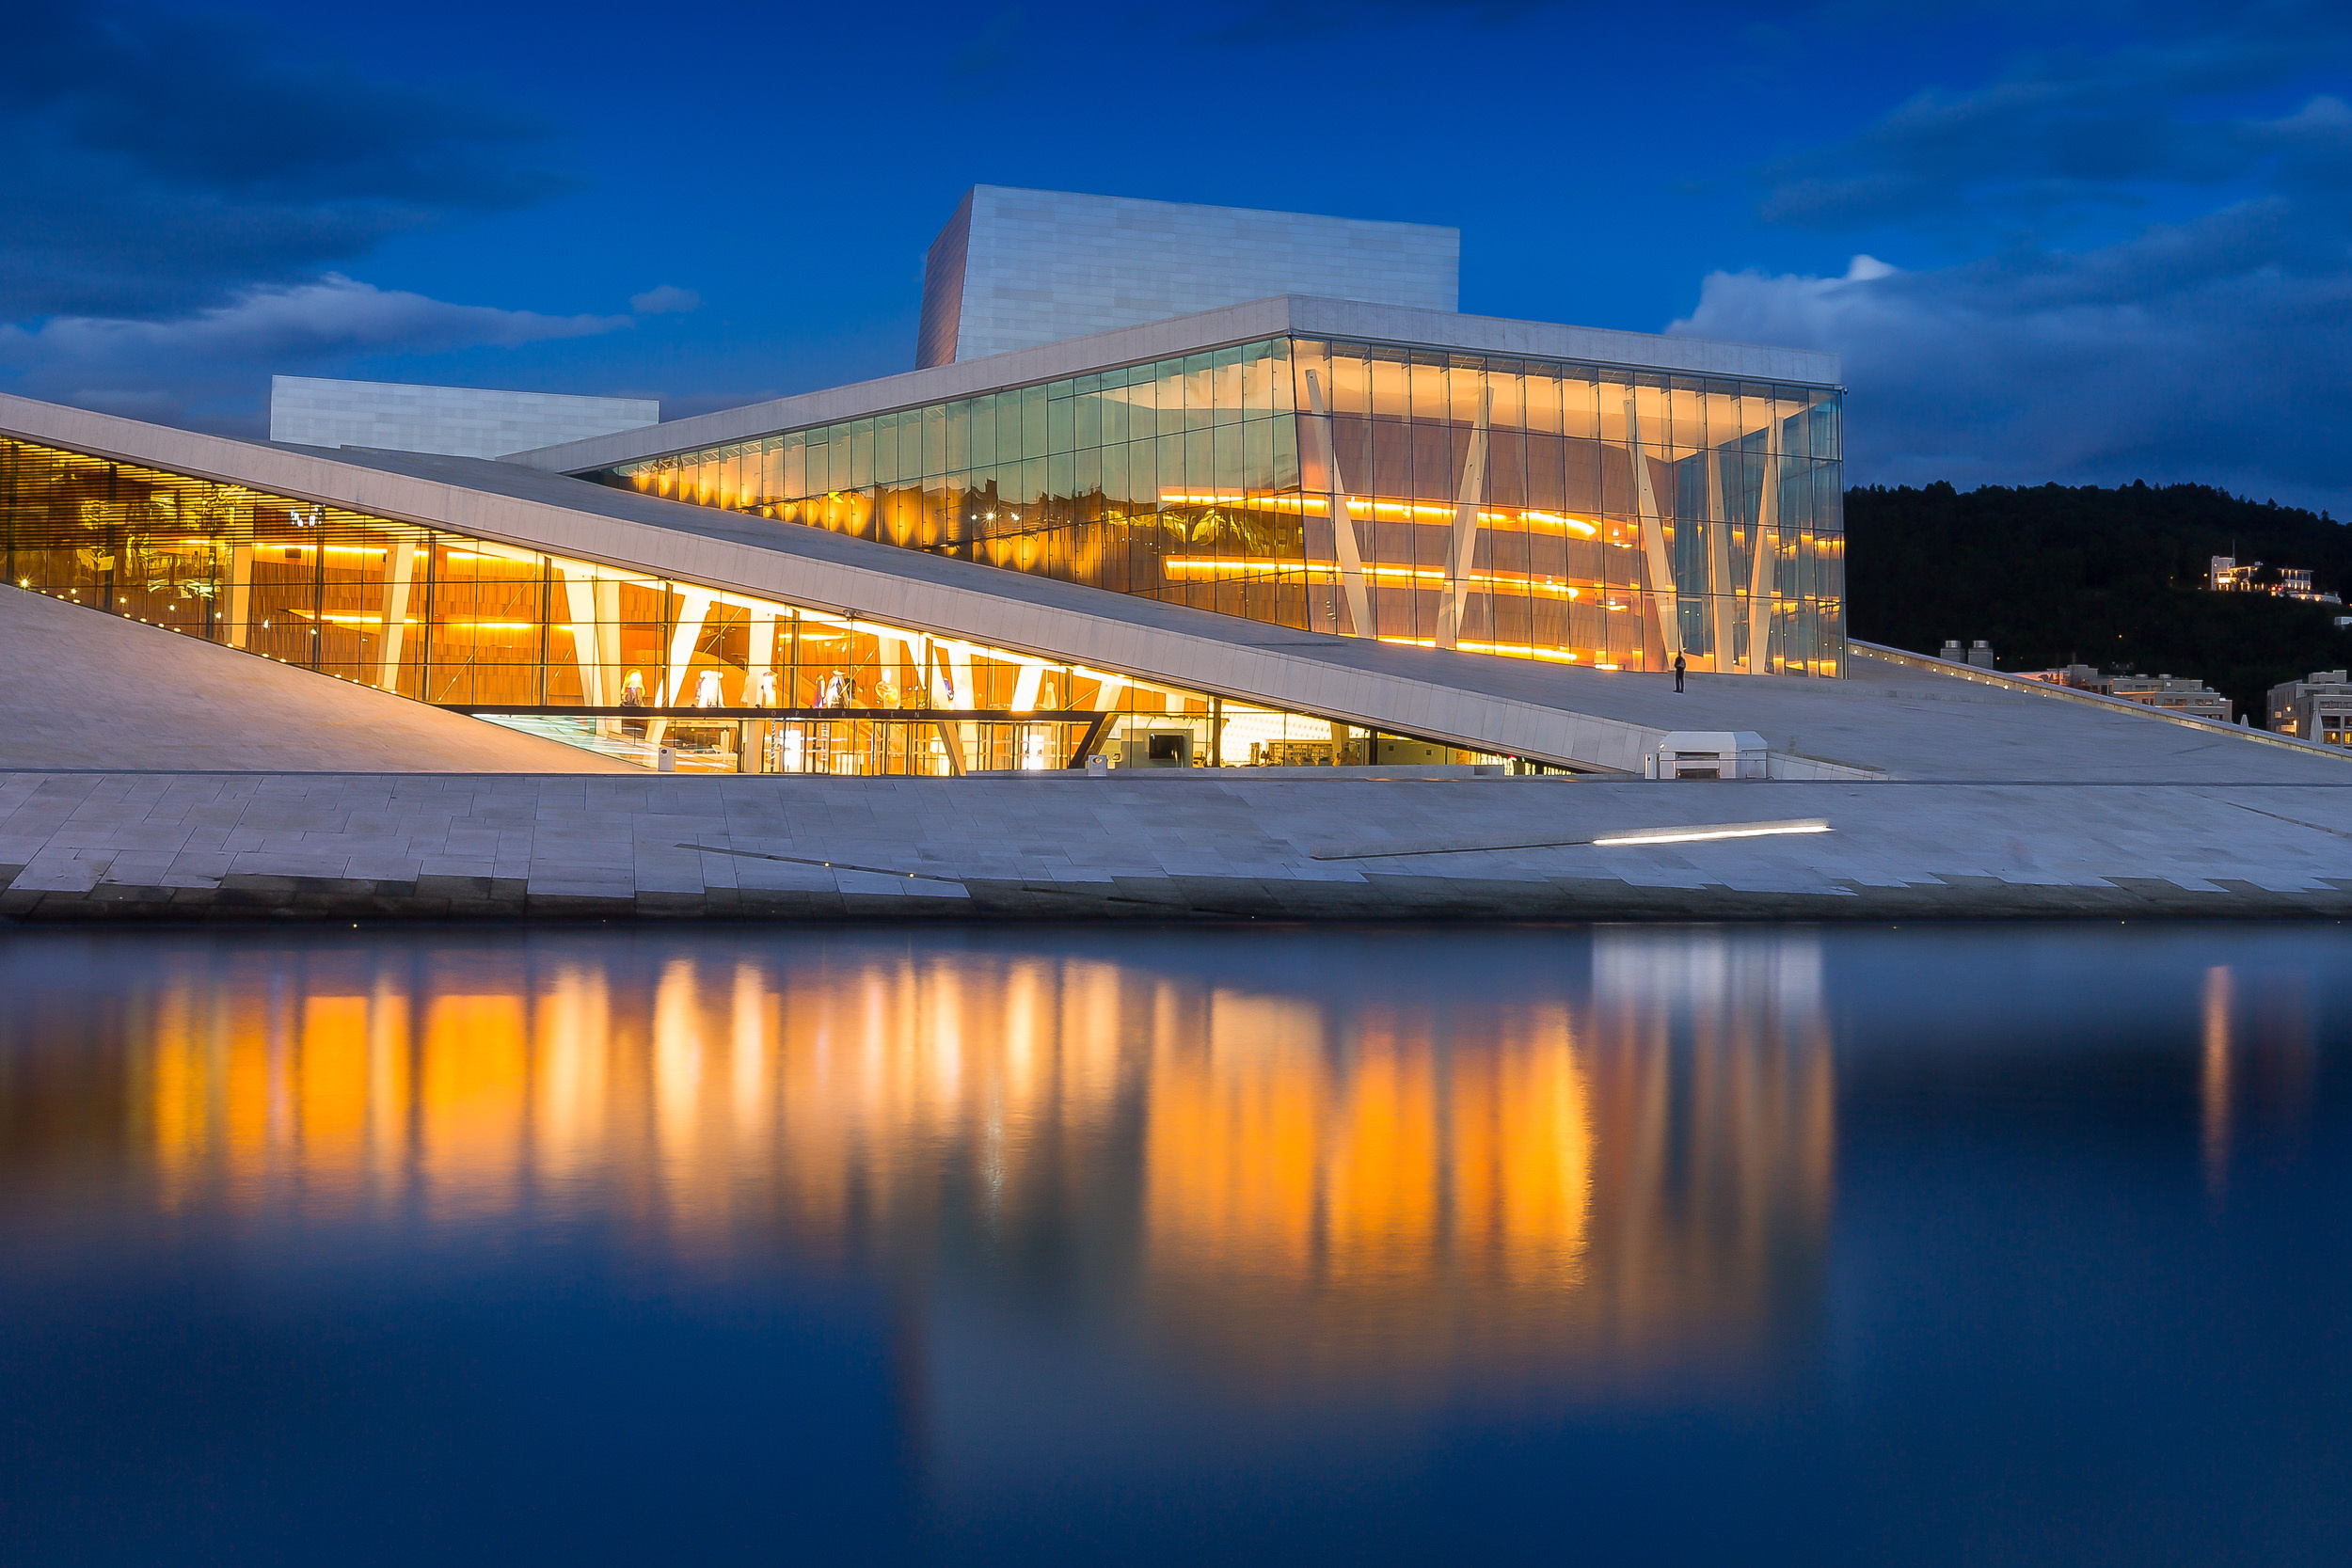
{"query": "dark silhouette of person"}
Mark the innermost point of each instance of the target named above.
(1679, 667)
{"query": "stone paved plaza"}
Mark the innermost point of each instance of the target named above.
(1178, 846)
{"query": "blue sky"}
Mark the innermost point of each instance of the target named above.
(2075, 242)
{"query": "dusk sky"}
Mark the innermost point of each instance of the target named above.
(2054, 242)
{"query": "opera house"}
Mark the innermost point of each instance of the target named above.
(1173, 485)
(1172, 492)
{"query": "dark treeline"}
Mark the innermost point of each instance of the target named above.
(2113, 578)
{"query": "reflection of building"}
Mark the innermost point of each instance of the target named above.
(906, 575)
(2317, 708)
(1414, 1194)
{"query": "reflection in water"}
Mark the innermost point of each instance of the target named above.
(2213, 1082)
(1149, 1247)
(1300, 1181)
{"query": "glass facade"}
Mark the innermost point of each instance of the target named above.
(1579, 513)
(621, 662)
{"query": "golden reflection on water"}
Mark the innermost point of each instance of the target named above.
(1299, 1182)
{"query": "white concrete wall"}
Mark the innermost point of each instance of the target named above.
(1040, 266)
(459, 422)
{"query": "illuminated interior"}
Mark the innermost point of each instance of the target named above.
(1578, 514)
(626, 664)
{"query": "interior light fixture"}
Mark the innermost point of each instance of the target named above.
(1713, 829)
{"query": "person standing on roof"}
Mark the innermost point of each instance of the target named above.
(1679, 667)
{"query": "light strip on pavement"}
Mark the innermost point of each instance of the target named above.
(1720, 829)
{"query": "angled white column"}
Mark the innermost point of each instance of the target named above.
(960, 661)
(1763, 554)
(580, 595)
(397, 578)
(1344, 544)
(1661, 567)
(761, 658)
(694, 609)
(1461, 552)
(1722, 606)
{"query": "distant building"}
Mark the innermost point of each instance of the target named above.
(2181, 694)
(1979, 655)
(2081, 677)
(2225, 575)
(2317, 708)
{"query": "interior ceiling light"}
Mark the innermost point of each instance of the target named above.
(1713, 829)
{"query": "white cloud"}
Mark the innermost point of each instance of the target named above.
(2202, 352)
(666, 299)
(334, 315)
(163, 369)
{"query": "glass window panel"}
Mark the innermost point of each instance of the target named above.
(1503, 384)
(1427, 379)
(796, 465)
(1392, 383)
(861, 456)
(1008, 427)
(1539, 401)
(1225, 385)
(1257, 459)
(1285, 469)
(1115, 489)
(1168, 389)
(1062, 424)
(1259, 367)
(1580, 404)
(1686, 415)
(984, 429)
(934, 440)
(1351, 381)
(1032, 405)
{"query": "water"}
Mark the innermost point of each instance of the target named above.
(1937, 1246)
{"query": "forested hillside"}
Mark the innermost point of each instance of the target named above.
(2113, 578)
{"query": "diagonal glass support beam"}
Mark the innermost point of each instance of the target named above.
(396, 585)
(1461, 553)
(1343, 542)
(1661, 567)
(1763, 552)
(1722, 605)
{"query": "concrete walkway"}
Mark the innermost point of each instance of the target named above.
(1170, 846)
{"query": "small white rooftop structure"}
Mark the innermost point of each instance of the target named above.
(1708, 754)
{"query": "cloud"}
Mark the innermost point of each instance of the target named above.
(160, 163)
(2062, 135)
(196, 365)
(665, 299)
(2195, 352)
(2156, 278)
